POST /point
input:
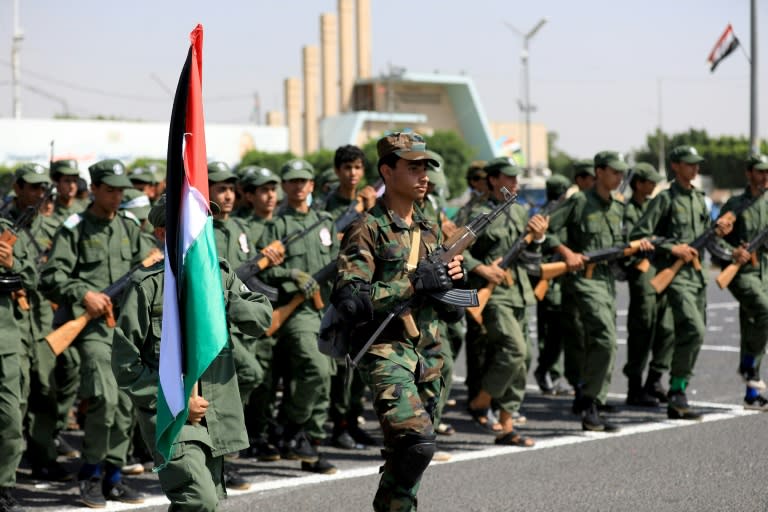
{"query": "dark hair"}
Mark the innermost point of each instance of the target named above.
(389, 160)
(348, 153)
(634, 180)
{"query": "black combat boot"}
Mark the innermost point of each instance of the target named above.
(593, 422)
(654, 387)
(637, 396)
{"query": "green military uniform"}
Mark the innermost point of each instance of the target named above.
(11, 351)
(89, 253)
(650, 328)
(592, 223)
(194, 478)
(750, 285)
(306, 397)
(680, 215)
(505, 318)
(374, 250)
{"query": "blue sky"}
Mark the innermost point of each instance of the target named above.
(595, 66)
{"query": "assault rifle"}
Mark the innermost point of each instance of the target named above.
(354, 210)
(63, 336)
(549, 271)
(248, 270)
(729, 272)
(456, 244)
(512, 255)
(664, 277)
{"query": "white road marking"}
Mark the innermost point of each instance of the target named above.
(710, 307)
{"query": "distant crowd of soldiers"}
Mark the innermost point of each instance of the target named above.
(81, 293)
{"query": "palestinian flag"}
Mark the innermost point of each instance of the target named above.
(727, 43)
(194, 322)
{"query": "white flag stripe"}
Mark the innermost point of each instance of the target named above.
(170, 346)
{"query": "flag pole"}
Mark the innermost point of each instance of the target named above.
(753, 133)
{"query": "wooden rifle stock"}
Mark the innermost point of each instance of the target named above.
(20, 297)
(281, 314)
(664, 277)
(540, 291)
(727, 275)
(483, 296)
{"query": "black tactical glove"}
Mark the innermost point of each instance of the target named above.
(431, 277)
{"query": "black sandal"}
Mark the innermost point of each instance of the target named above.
(514, 438)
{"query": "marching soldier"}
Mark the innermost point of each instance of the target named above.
(680, 215)
(382, 263)
(749, 285)
(194, 478)
(91, 251)
(65, 174)
(650, 330)
(592, 220)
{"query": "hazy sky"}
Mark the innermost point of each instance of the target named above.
(595, 66)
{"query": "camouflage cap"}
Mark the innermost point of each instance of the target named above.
(136, 202)
(646, 171)
(297, 169)
(220, 171)
(65, 167)
(156, 215)
(257, 176)
(757, 162)
(408, 146)
(611, 159)
(143, 175)
(32, 173)
(687, 154)
(557, 184)
(110, 172)
(584, 167)
(502, 165)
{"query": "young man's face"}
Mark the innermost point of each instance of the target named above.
(502, 180)
(297, 191)
(350, 174)
(608, 177)
(685, 171)
(263, 199)
(106, 198)
(645, 187)
(223, 194)
(480, 184)
(585, 181)
(66, 187)
(407, 179)
(28, 194)
(757, 178)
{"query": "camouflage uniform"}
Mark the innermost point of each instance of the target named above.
(194, 477)
(403, 372)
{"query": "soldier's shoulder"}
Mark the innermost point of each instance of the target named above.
(72, 221)
(150, 272)
(129, 216)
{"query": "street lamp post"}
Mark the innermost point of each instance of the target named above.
(18, 37)
(525, 105)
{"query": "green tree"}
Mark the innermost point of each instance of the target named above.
(559, 161)
(320, 160)
(272, 161)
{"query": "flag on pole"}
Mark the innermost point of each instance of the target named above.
(727, 43)
(194, 321)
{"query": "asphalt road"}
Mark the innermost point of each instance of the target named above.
(654, 464)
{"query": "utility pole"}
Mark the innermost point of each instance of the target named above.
(525, 105)
(754, 136)
(660, 132)
(18, 37)
(393, 73)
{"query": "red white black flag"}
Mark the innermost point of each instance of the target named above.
(727, 43)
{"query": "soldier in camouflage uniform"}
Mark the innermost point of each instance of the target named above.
(650, 330)
(377, 271)
(749, 286)
(91, 251)
(505, 317)
(305, 371)
(15, 262)
(592, 221)
(194, 478)
(680, 214)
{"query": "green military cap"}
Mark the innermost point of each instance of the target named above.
(156, 215)
(136, 202)
(220, 171)
(143, 175)
(584, 167)
(435, 172)
(476, 170)
(408, 146)
(327, 177)
(65, 167)
(687, 154)
(158, 170)
(257, 176)
(757, 162)
(32, 173)
(297, 169)
(557, 184)
(503, 165)
(646, 171)
(611, 159)
(110, 172)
